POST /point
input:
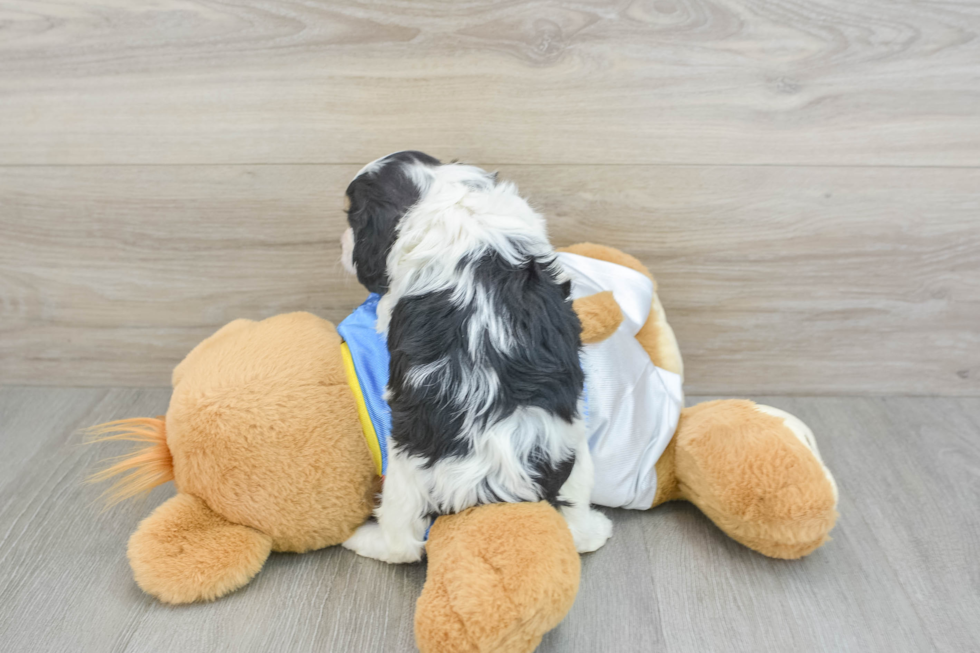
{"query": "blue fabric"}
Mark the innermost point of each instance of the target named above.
(369, 351)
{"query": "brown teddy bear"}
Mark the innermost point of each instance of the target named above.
(264, 439)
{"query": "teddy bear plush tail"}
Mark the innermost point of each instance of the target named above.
(184, 551)
(144, 468)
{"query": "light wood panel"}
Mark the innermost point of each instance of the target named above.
(647, 81)
(111, 275)
(899, 574)
(792, 280)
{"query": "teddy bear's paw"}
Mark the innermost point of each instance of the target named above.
(499, 577)
(370, 541)
(756, 473)
(590, 528)
(186, 552)
(802, 433)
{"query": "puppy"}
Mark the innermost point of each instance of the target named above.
(485, 384)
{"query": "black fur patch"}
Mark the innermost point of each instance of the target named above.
(550, 476)
(541, 368)
(378, 201)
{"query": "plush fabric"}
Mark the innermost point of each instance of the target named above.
(656, 336)
(747, 472)
(499, 577)
(263, 428)
(186, 552)
(611, 254)
(267, 453)
(144, 468)
(631, 406)
(600, 316)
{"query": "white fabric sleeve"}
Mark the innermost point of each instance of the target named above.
(633, 291)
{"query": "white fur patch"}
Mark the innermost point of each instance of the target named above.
(462, 215)
(421, 376)
(590, 528)
(347, 251)
(373, 166)
(487, 320)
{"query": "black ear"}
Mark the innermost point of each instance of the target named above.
(566, 289)
(371, 265)
(379, 199)
(374, 222)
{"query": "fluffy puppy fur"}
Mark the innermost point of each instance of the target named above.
(485, 382)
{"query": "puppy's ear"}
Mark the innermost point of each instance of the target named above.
(379, 199)
(374, 235)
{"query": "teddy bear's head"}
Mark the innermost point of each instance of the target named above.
(263, 428)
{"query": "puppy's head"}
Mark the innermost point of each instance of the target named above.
(377, 199)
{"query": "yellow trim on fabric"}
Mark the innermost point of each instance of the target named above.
(370, 436)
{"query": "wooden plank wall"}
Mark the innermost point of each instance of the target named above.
(802, 177)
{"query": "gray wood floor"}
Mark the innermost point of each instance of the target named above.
(900, 575)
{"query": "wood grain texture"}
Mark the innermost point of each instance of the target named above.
(644, 81)
(776, 279)
(899, 575)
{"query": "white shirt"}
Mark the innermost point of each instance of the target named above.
(632, 406)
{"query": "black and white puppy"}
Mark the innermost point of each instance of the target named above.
(485, 382)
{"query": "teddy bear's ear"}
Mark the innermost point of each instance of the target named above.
(185, 552)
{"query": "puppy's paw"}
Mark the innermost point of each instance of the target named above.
(369, 541)
(404, 555)
(590, 530)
